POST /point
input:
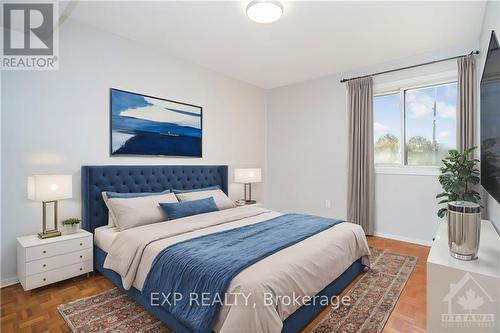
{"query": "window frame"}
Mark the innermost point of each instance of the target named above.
(401, 88)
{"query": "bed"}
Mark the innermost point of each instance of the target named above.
(343, 247)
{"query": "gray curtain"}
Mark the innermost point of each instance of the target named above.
(361, 174)
(466, 103)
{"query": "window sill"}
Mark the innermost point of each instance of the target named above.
(407, 170)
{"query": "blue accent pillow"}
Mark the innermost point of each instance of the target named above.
(113, 195)
(210, 188)
(187, 208)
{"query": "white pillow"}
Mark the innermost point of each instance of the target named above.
(111, 217)
(221, 199)
(133, 212)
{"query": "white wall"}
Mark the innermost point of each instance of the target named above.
(306, 150)
(491, 22)
(57, 121)
(307, 154)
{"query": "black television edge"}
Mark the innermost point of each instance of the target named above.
(490, 120)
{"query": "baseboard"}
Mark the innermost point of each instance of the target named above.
(404, 239)
(8, 282)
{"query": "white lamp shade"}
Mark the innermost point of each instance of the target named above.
(50, 187)
(246, 176)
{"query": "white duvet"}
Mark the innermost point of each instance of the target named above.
(302, 269)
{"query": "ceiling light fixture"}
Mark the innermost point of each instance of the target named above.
(262, 11)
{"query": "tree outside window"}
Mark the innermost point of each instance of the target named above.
(426, 120)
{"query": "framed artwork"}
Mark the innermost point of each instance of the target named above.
(147, 125)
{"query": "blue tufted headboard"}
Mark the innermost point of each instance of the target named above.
(142, 178)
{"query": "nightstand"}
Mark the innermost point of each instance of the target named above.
(44, 261)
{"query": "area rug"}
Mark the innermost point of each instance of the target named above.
(373, 296)
(372, 299)
(110, 311)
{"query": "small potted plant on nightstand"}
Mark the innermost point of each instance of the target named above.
(71, 225)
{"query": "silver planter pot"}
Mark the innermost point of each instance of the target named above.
(464, 229)
(70, 228)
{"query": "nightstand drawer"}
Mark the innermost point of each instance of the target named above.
(42, 279)
(47, 264)
(57, 248)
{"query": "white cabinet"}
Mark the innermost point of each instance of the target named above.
(464, 296)
(45, 261)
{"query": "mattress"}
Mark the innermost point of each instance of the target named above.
(104, 237)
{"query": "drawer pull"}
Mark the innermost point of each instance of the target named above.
(44, 279)
(81, 257)
(81, 269)
(44, 265)
(44, 251)
(81, 244)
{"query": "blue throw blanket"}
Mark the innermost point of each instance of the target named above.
(207, 264)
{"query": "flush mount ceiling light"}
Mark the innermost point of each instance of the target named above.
(262, 11)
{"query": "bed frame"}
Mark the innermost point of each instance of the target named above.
(157, 178)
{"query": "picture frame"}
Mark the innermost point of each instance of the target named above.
(153, 126)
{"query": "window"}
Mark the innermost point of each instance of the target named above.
(423, 118)
(387, 129)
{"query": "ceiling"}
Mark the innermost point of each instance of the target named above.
(311, 39)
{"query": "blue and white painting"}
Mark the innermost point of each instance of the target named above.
(145, 125)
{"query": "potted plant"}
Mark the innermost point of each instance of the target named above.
(71, 225)
(458, 177)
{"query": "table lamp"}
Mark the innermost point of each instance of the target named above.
(48, 189)
(247, 177)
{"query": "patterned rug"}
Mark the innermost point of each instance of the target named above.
(373, 296)
(372, 299)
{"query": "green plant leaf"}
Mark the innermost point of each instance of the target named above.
(70, 221)
(458, 175)
(442, 212)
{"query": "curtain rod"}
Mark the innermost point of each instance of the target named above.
(408, 67)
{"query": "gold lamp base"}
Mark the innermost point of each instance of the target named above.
(248, 195)
(48, 233)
